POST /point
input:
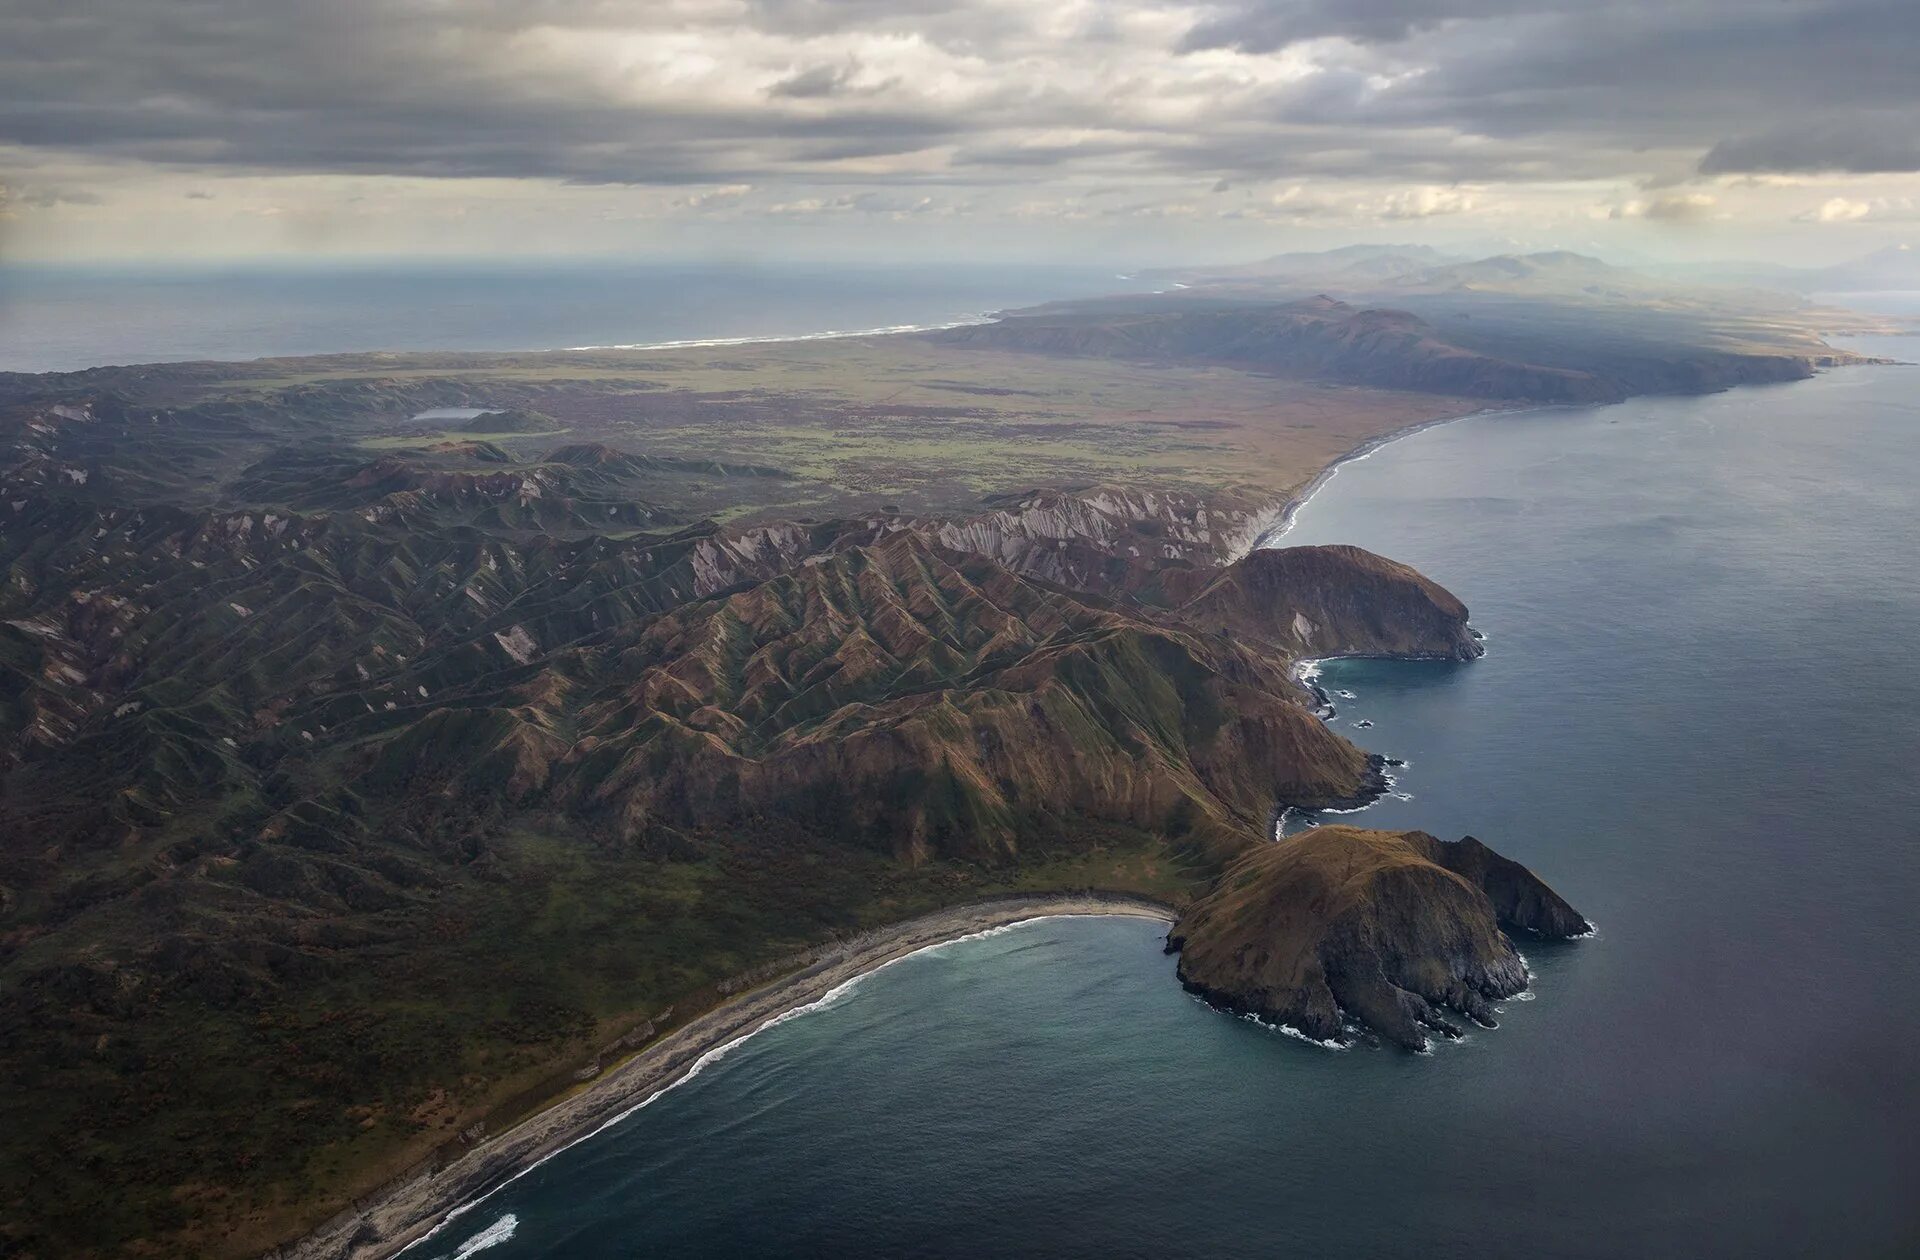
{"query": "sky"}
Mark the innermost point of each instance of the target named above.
(1133, 131)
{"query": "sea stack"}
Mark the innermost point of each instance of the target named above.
(1386, 930)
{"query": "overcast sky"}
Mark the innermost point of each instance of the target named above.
(1131, 130)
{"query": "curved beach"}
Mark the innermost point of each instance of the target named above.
(417, 1204)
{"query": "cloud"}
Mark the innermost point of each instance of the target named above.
(714, 198)
(868, 203)
(1390, 110)
(1673, 208)
(1849, 210)
(1264, 26)
(1865, 144)
(1838, 210)
(1425, 203)
(827, 79)
(46, 198)
(1297, 203)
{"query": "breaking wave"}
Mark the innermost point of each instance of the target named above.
(496, 1233)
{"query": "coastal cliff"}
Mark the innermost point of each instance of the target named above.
(1321, 602)
(1389, 931)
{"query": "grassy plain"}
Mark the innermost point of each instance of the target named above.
(863, 423)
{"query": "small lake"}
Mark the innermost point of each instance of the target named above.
(454, 413)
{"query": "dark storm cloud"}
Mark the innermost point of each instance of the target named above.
(1441, 90)
(1624, 76)
(816, 81)
(1868, 144)
(359, 86)
(1269, 25)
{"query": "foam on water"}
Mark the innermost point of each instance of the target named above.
(888, 330)
(1287, 1030)
(498, 1232)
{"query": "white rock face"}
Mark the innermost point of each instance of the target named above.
(517, 643)
(1031, 535)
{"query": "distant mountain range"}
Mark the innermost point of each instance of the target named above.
(1554, 326)
(1354, 270)
(1891, 269)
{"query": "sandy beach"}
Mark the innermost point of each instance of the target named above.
(414, 1206)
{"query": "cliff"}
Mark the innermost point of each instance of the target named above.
(1388, 931)
(1320, 602)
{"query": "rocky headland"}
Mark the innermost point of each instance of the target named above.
(1392, 933)
(1324, 602)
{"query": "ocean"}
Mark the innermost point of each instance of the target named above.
(56, 319)
(1698, 718)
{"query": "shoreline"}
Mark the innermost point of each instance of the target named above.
(699, 343)
(1270, 536)
(1279, 529)
(420, 1203)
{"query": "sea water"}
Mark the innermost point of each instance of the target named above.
(61, 318)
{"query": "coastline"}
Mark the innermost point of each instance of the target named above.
(699, 343)
(418, 1204)
(1271, 536)
(1278, 530)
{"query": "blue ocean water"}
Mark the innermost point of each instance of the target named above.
(63, 318)
(1699, 718)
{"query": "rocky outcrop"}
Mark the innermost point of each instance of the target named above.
(1321, 602)
(1341, 928)
(1035, 532)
